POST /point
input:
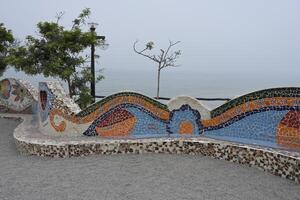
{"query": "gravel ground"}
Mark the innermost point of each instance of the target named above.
(148, 176)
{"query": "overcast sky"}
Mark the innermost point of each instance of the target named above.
(242, 36)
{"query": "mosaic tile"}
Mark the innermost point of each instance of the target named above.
(248, 117)
(268, 93)
(17, 97)
(185, 118)
(142, 121)
(288, 130)
(123, 95)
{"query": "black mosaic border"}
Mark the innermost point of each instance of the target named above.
(98, 104)
(261, 94)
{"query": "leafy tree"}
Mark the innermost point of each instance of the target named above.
(166, 58)
(59, 52)
(6, 41)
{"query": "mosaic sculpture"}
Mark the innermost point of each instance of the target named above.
(17, 96)
(268, 117)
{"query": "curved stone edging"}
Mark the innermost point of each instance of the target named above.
(281, 163)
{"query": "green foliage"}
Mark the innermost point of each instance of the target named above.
(85, 98)
(6, 41)
(150, 45)
(59, 52)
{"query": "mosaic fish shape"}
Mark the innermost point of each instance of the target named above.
(118, 123)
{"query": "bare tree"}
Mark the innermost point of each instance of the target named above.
(165, 58)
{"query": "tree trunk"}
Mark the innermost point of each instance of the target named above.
(158, 82)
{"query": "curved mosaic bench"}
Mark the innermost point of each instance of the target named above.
(268, 117)
(17, 96)
(254, 129)
(31, 142)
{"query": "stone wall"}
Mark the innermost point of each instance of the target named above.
(280, 164)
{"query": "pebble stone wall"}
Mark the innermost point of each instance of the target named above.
(278, 163)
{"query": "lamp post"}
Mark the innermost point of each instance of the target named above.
(93, 81)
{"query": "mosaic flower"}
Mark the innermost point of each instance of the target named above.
(185, 120)
(5, 89)
(20, 92)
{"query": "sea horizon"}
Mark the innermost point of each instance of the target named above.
(178, 83)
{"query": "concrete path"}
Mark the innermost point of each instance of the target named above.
(148, 176)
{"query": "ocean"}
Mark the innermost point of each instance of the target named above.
(179, 82)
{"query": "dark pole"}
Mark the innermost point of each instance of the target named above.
(93, 87)
(93, 80)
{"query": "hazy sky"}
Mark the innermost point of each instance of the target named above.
(229, 47)
(233, 35)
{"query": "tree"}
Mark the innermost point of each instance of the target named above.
(6, 41)
(59, 52)
(166, 58)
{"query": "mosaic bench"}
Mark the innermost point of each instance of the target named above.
(267, 118)
(29, 141)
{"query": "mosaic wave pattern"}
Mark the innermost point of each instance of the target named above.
(268, 117)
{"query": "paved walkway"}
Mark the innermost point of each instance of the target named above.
(148, 176)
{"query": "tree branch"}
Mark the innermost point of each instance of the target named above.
(171, 44)
(152, 57)
(59, 16)
(164, 58)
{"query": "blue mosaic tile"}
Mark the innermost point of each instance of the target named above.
(184, 113)
(260, 126)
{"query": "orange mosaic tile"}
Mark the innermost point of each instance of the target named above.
(186, 127)
(288, 130)
(62, 125)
